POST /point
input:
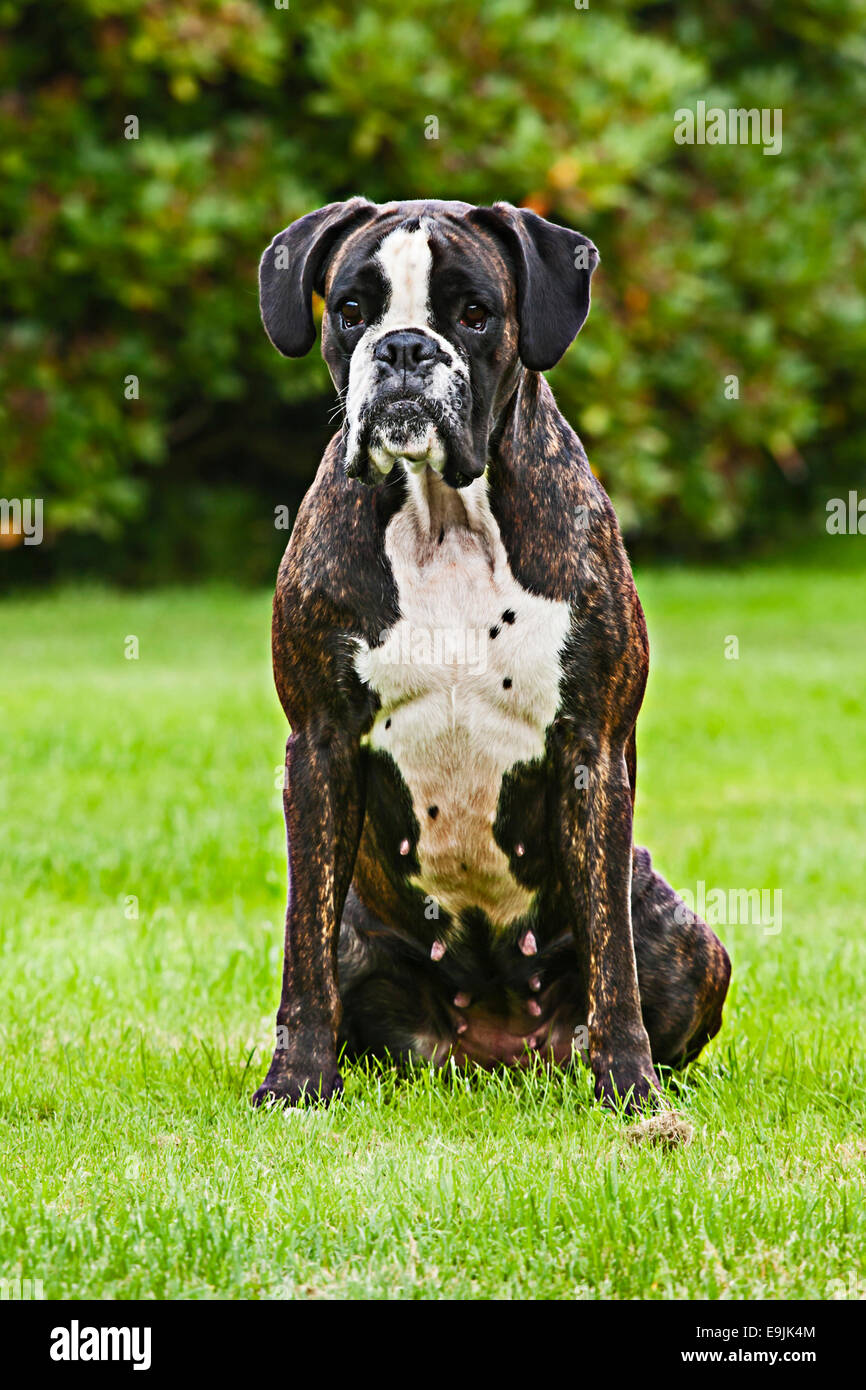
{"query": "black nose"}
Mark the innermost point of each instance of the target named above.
(406, 350)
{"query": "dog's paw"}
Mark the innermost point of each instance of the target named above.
(293, 1089)
(632, 1089)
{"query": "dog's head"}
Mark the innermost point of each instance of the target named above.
(431, 311)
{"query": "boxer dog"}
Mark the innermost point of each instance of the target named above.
(461, 655)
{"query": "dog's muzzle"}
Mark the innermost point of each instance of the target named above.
(414, 410)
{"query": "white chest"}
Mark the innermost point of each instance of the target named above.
(468, 681)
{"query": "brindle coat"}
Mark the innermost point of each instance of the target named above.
(606, 942)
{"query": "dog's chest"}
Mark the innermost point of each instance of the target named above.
(468, 681)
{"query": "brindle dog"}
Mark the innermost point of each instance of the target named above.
(461, 655)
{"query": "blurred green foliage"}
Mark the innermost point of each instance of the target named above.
(124, 257)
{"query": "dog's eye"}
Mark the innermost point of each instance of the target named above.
(474, 316)
(350, 313)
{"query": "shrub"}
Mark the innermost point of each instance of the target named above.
(136, 258)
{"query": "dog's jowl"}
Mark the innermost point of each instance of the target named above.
(461, 655)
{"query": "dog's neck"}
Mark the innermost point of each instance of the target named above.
(438, 510)
(530, 424)
(529, 431)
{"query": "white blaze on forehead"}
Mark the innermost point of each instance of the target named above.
(406, 262)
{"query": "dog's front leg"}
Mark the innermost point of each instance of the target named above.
(595, 849)
(323, 802)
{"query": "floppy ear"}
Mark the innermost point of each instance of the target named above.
(295, 264)
(553, 266)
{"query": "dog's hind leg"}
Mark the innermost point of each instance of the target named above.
(683, 969)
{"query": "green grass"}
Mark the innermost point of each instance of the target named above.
(132, 1164)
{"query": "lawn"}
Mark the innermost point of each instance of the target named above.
(142, 894)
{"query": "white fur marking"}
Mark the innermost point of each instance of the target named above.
(406, 260)
(454, 729)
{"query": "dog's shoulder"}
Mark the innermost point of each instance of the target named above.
(556, 520)
(333, 575)
(334, 588)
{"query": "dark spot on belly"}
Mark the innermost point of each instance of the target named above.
(432, 812)
(494, 632)
(506, 684)
(387, 723)
(441, 535)
(509, 615)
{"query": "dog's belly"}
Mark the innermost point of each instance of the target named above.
(513, 1037)
(468, 682)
